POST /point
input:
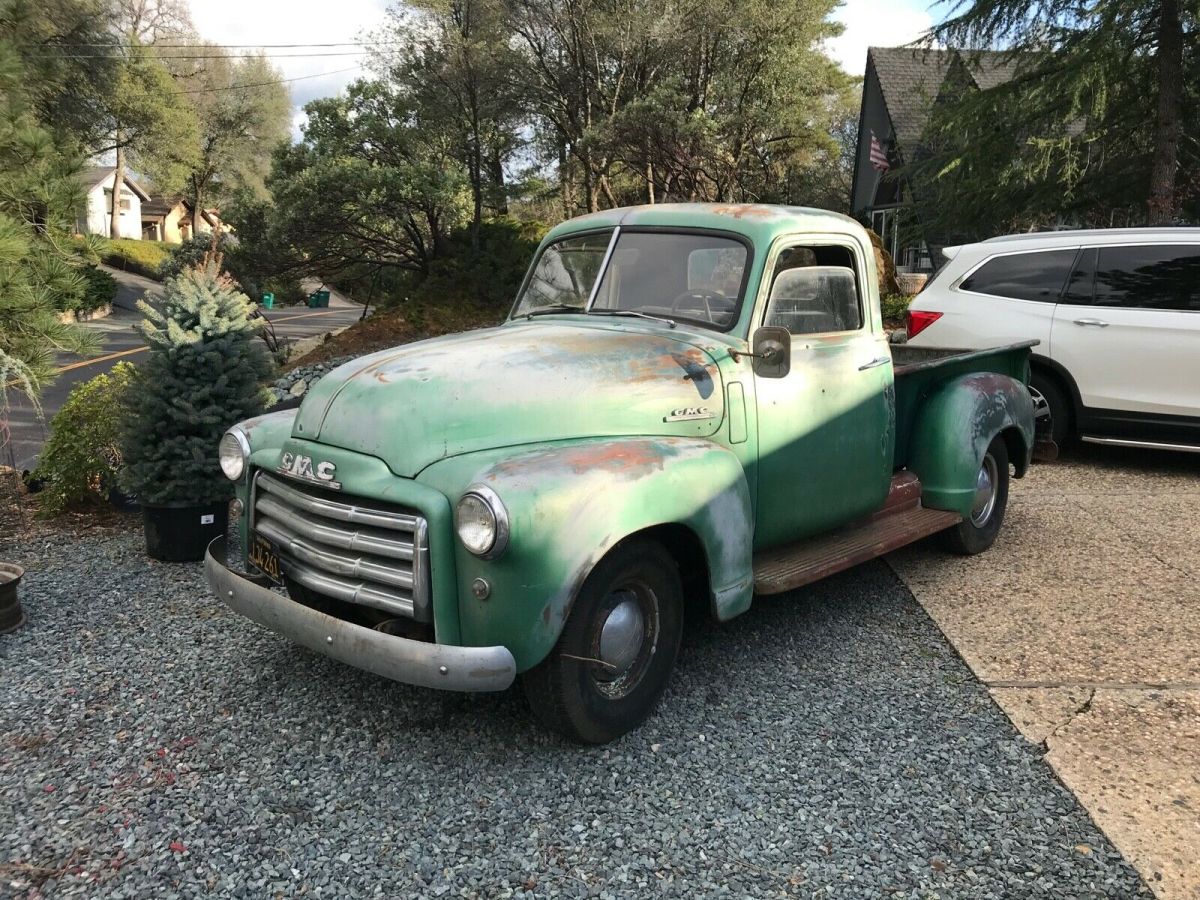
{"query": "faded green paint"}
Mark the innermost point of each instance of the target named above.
(574, 422)
(569, 504)
(952, 431)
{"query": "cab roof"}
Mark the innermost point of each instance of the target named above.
(760, 223)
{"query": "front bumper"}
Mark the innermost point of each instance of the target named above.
(400, 659)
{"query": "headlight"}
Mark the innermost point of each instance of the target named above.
(233, 451)
(482, 522)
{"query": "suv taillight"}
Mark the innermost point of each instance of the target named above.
(917, 320)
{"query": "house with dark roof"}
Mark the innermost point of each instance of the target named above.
(901, 87)
(170, 219)
(95, 217)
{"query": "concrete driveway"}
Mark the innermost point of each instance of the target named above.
(1084, 623)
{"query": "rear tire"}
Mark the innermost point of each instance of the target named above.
(977, 532)
(1051, 411)
(617, 649)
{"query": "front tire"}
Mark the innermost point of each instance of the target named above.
(977, 532)
(617, 649)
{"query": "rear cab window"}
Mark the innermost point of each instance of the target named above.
(1038, 276)
(814, 290)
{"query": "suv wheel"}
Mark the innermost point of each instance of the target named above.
(1052, 413)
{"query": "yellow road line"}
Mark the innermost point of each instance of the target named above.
(118, 355)
(100, 359)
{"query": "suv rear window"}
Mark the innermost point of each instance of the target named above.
(1166, 276)
(1023, 276)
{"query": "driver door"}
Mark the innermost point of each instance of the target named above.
(826, 429)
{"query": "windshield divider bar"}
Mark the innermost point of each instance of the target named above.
(612, 243)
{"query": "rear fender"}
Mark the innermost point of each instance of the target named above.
(954, 427)
(570, 504)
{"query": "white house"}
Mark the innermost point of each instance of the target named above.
(98, 183)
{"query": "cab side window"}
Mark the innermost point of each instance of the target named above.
(814, 290)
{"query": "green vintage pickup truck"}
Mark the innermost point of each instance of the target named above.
(688, 406)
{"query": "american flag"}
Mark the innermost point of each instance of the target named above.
(879, 160)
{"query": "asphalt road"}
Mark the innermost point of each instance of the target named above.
(122, 342)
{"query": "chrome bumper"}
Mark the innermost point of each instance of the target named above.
(400, 659)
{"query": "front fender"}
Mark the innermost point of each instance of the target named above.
(569, 504)
(953, 429)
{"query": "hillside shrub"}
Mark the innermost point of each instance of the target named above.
(140, 257)
(82, 457)
(100, 292)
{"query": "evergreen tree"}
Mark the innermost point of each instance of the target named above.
(1089, 129)
(40, 273)
(203, 373)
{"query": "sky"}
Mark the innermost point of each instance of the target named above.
(886, 23)
(296, 22)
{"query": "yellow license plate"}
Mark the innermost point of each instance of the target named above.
(264, 557)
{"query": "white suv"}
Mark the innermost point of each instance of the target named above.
(1117, 312)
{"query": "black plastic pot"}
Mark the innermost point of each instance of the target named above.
(12, 616)
(180, 533)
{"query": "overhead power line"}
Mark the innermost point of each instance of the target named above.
(206, 46)
(242, 87)
(218, 56)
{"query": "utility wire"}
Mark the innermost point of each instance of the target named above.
(220, 56)
(241, 87)
(203, 46)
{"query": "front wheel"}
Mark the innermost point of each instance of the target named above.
(978, 530)
(616, 651)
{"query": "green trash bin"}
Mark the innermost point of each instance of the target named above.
(318, 299)
(268, 301)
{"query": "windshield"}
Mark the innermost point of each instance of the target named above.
(672, 275)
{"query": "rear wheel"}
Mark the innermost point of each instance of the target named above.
(616, 651)
(1051, 412)
(978, 530)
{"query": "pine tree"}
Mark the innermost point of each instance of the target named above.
(203, 373)
(40, 272)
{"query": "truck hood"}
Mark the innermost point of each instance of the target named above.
(517, 384)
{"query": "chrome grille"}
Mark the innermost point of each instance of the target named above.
(348, 548)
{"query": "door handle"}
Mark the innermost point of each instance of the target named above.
(877, 361)
(1099, 323)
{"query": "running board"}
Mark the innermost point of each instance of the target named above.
(795, 565)
(1146, 445)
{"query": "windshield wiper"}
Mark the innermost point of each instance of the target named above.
(631, 312)
(554, 308)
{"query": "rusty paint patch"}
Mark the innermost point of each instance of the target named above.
(746, 210)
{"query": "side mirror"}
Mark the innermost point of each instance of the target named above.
(772, 351)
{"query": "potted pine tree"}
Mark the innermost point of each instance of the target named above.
(204, 372)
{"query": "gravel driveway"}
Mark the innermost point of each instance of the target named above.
(824, 745)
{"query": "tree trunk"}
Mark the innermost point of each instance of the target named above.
(114, 221)
(1163, 205)
(564, 180)
(499, 191)
(650, 183)
(197, 209)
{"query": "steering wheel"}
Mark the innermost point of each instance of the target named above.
(703, 296)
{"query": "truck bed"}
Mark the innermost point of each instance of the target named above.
(920, 370)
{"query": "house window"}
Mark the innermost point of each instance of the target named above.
(125, 202)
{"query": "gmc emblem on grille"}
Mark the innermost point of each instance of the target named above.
(296, 466)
